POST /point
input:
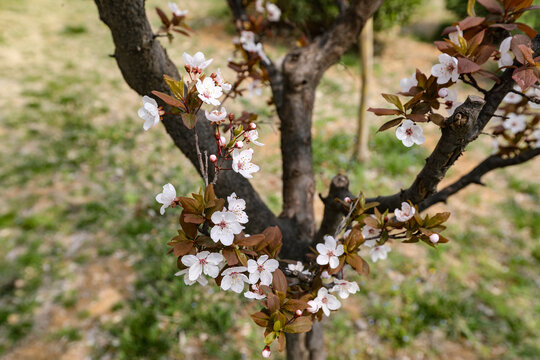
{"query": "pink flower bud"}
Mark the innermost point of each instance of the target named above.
(266, 352)
(222, 141)
(298, 312)
(252, 126)
(347, 200)
(325, 275)
(434, 238)
(443, 92)
(213, 158)
(239, 144)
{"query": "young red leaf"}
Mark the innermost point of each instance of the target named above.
(299, 325)
(417, 117)
(193, 219)
(230, 256)
(272, 302)
(466, 66)
(524, 77)
(436, 119)
(279, 281)
(514, 46)
(182, 248)
(381, 112)
(393, 99)
(470, 22)
(168, 99)
(527, 53)
(163, 17)
(189, 120)
(527, 30)
(358, 264)
(493, 6)
(390, 124)
(260, 319)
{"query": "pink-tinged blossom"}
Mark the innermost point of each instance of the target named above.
(512, 97)
(256, 293)
(515, 123)
(252, 136)
(324, 301)
(201, 279)
(407, 83)
(166, 197)
(221, 82)
(242, 163)
(234, 279)
(446, 70)
(506, 56)
(149, 112)
(370, 235)
(409, 133)
(434, 238)
(344, 288)
(176, 11)
(222, 141)
(299, 267)
(266, 352)
(379, 252)
(454, 36)
(204, 262)
(329, 252)
(208, 91)
(259, 5)
(533, 92)
(254, 88)
(405, 213)
(274, 12)
(197, 61)
(247, 37)
(257, 48)
(225, 227)
(237, 207)
(262, 269)
(449, 97)
(216, 116)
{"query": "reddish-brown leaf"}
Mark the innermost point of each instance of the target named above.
(279, 281)
(524, 77)
(470, 22)
(272, 302)
(183, 32)
(250, 241)
(437, 119)
(260, 318)
(390, 124)
(527, 30)
(514, 45)
(493, 6)
(182, 248)
(466, 66)
(358, 264)
(167, 99)
(371, 221)
(417, 117)
(483, 53)
(393, 99)
(527, 53)
(163, 17)
(381, 111)
(299, 325)
(193, 219)
(230, 256)
(444, 46)
(295, 304)
(508, 27)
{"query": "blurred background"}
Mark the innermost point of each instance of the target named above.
(84, 271)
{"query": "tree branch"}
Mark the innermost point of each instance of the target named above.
(143, 61)
(475, 176)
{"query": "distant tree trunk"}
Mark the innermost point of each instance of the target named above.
(366, 54)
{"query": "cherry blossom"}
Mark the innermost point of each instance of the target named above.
(324, 301)
(247, 37)
(533, 92)
(512, 97)
(262, 269)
(226, 226)
(409, 133)
(329, 252)
(446, 70)
(515, 123)
(256, 294)
(536, 138)
(201, 279)
(266, 352)
(259, 6)
(216, 116)
(237, 207)
(197, 61)
(408, 83)
(454, 36)
(209, 92)
(506, 57)
(222, 141)
(221, 82)
(204, 262)
(257, 48)
(149, 112)
(234, 279)
(298, 267)
(405, 213)
(344, 288)
(242, 163)
(371, 234)
(434, 238)
(449, 97)
(274, 12)
(379, 252)
(252, 136)
(176, 11)
(166, 197)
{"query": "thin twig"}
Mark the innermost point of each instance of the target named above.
(472, 82)
(199, 155)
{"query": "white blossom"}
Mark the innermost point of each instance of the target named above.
(506, 57)
(408, 83)
(221, 82)
(298, 267)
(446, 70)
(222, 141)
(454, 36)
(176, 11)
(201, 279)
(344, 288)
(379, 252)
(234, 279)
(409, 133)
(208, 91)
(515, 123)
(266, 352)
(329, 252)
(533, 92)
(434, 238)
(257, 48)
(274, 12)
(324, 301)
(536, 138)
(370, 233)
(247, 37)
(237, 207)
(149, 112)
(252, 136)
(242, 163)
(216, 116)
(449, 97)
(226, 226)
(256, 294)
(204, 262)
(512, 97)
(197, 61)
(262, 269)
(166, 197)
(254, 88)
(405, 213)
(259, 6)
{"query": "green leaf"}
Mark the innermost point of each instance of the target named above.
(277, 326)
(393, 99)
(177, 87)
(189, 120)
